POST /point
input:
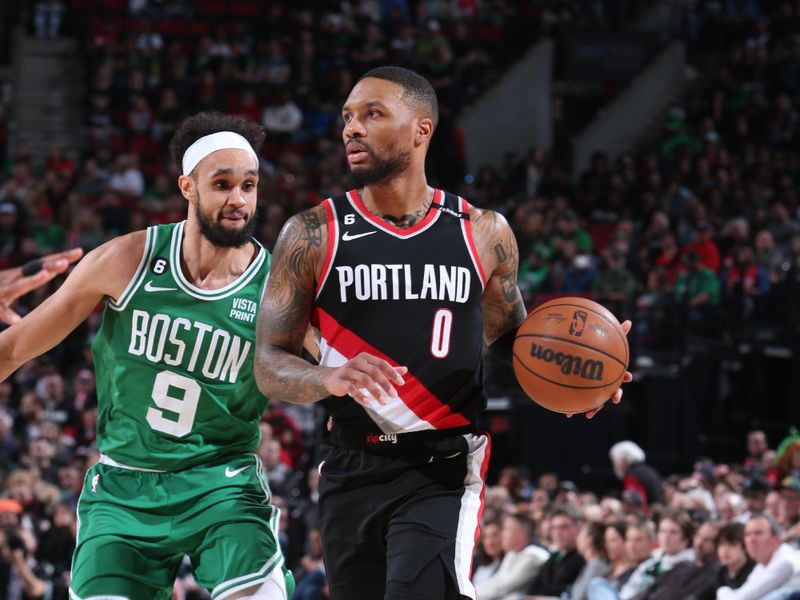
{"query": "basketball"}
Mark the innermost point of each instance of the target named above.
(570, 355)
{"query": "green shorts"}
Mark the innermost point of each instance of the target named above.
(134, 527)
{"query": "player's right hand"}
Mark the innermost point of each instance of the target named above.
(366, 378)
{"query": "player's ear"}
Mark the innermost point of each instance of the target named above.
(424, 131)
(188, 187)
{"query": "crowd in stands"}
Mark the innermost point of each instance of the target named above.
(720, 532)
(691, 234)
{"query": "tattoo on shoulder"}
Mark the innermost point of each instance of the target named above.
(485, 218)
(312, 227)
(508, 284)
(298, 247)
(500, 253)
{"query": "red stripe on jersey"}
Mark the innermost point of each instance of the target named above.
(413, 393)
(332, 239)
(464, 208)
(484, 468)
(438, 198)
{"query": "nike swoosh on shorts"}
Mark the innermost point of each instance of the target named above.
(235, 472)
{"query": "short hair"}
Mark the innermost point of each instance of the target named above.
(774, 527)
(416, 88)
(564, 510)
(682, 520)
(643, 525)
(523, 521)
(731, 533)
(206, 123)
(628, 451)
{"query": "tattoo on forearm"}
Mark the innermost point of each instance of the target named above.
(290, 378)
(285, 311)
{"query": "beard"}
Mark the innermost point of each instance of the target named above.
(381, 168)
(221, 236)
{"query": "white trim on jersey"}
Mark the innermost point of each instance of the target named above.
(470, 510)
(75, 596)
(438, 194)
(329, 266)
(394, 416)
(463, 206)
(139, 274)
(199, 293)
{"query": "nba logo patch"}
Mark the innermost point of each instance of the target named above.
(95, 481)
(578, 323)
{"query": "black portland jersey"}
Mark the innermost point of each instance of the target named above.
(412, 297)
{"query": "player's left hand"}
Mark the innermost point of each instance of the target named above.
(616, 397)
(18, 281)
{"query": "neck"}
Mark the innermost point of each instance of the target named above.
(402, 200)
(208, 266)
(734, 568)
(623, 564)
(771, 554)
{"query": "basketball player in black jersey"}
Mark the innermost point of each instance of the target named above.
(402, 285)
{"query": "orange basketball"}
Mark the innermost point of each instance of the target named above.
(570, 355)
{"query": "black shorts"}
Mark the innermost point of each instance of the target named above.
(401, 516)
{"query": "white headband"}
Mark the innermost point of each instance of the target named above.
(211, 143)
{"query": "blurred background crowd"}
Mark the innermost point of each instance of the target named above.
(694, 235)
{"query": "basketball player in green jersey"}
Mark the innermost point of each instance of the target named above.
(178, 405)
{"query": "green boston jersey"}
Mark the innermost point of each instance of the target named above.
(174, 363)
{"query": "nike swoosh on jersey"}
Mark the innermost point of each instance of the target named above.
(149, 287)
(235, 472)
(348, 236)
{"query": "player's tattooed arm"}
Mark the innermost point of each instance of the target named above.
(283, 320)
(502, 304)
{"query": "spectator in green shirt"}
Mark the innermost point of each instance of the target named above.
(698, 291)
(534, 272)
(568, 228)
(615, 285)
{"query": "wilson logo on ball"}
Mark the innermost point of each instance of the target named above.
(585, 368)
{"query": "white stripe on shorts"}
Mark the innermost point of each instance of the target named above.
(471, 508)
(107, 460)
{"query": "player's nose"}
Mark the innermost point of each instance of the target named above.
(236, 197)
(354, 128)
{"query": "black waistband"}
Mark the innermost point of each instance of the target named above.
(378, 441)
